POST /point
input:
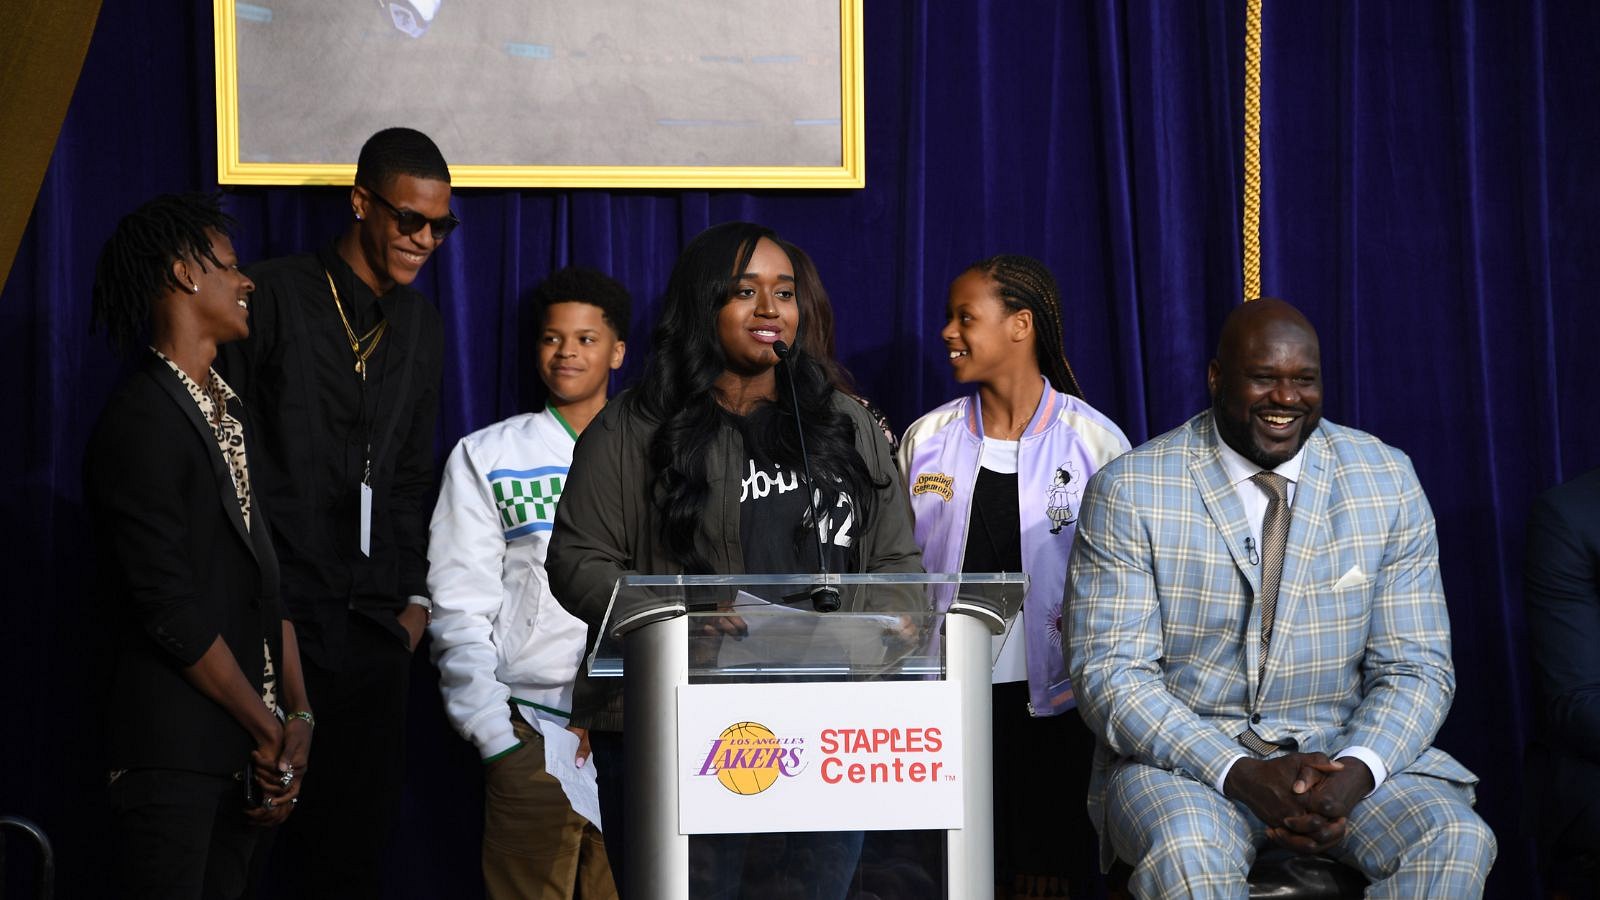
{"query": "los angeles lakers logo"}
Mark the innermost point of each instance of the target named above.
(747, 758)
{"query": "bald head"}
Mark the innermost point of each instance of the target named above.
(1249, 319)
(1266, 382)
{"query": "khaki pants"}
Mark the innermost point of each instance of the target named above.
(534, 845)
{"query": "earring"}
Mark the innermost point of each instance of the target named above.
(356, 214)
(194, 288)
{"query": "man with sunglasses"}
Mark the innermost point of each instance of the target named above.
(342, 374)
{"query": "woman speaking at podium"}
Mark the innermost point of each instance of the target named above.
(699, 470)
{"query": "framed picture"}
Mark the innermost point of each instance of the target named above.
(547, 93)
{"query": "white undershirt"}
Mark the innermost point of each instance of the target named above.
(999, 456)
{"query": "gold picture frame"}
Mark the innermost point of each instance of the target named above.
(850, 172)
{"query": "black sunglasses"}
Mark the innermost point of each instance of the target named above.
(409, 221)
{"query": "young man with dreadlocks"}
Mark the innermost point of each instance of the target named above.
(207, 694)
(342, 368)
(995, 480)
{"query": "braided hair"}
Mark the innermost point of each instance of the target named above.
(1023, 283)
(135, 266)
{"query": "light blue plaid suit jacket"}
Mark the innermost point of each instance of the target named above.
(1164, 637)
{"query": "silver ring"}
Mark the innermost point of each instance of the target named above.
(267, 803)
(294, 801)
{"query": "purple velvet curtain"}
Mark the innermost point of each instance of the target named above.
(1429, 189)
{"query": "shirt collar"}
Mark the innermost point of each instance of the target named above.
(1241, 470)
(213, 380)
(354, 295)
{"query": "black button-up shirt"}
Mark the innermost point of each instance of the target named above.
(319, 424)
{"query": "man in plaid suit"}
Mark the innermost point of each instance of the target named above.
(1247, 685)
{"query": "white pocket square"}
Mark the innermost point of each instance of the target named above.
(1353, 578)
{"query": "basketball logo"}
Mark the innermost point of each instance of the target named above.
(762, 769)
(747, 758)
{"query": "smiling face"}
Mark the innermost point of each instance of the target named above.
(1266, 383)
(578, 351)
(222, 303)
(387, 257)
(761, 310)
(984, 338)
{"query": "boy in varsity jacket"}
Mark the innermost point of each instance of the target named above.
(507, 652)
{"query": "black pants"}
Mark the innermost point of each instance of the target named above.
(179, 834)
(333, 845)
(1044, 840)
(607, 751)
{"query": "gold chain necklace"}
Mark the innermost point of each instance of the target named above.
(375, 334)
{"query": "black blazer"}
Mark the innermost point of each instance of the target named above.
(1561, 581)
(177, 568)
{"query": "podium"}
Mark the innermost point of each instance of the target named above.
(755, 726)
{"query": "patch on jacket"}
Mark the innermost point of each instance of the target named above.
(526, 500)
(1063, 496)
(934, 483)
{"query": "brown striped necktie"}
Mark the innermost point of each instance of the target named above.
(1274, 540)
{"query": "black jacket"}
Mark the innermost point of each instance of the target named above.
(1561, 588)
(177, 568)
(608, 526)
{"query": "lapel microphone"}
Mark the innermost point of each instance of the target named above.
(824, 599)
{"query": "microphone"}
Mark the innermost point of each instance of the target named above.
(1250, 546)
(824, 598)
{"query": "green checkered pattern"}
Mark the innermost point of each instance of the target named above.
(524, 500)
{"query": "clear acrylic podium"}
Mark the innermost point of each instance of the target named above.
(662, 633)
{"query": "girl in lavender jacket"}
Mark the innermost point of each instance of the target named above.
(995, 481)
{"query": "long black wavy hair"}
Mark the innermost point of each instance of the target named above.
(678, 391)
(816, 317)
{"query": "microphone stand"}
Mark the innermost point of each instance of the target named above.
(824, 598)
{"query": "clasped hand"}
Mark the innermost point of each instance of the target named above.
(279, 768)
(1304, 798)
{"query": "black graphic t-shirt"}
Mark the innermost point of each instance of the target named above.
(775, 523)
(775, 520)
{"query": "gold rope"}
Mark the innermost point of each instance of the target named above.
(1252, 150)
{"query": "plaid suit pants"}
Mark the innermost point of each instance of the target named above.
(1416, 836)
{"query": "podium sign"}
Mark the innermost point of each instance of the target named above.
(823, 756)
(791, 752)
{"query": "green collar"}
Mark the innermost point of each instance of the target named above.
(562, 419)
